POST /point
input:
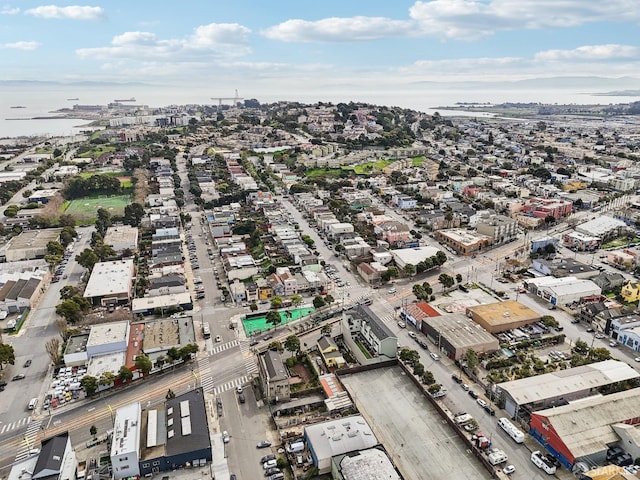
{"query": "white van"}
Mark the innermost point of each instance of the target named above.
(33, 403)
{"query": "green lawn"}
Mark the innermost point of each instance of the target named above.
(318, 172)
(84, 209)
(258, 324)
(417, 161)
(95, 152)
(620, 242)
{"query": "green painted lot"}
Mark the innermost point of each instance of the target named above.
(258, 324)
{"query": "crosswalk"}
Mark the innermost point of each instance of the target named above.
(30, 438)
(221, 347)
(204, 372)
(230, 385)
(249, 359)
(7, 427)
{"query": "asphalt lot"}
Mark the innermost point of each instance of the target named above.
(418, 442)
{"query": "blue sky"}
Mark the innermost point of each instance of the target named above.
(290, 46)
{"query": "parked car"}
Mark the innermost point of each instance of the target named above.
(27, 363)
(225, 437)
(402, 325)
(269, 464)
(20, 376)
(456, 378)
(413, 335)
(263, 444)
(435, 356)
(508, 470)
(473, 394)
(481, 402)
(266, 458)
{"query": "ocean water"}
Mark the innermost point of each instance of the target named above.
(42, 100)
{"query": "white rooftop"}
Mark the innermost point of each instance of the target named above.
(110, 278)
(160, 301)
(105, 333)
(110, 362)
(600, 226)
(414, 255)
(369, 464)
(126, 430)
(340, 436)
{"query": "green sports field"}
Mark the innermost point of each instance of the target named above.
(84, 209)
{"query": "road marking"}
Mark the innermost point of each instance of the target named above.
(57, 422)
(91, 409)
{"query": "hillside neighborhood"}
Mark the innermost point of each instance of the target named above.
(298, 291)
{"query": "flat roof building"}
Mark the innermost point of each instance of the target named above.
(463, 241)
(413, 256)
(30, 244)
(455, 333)
(369, 464)
(337, 437)
(125, 446)
(111, 283)
(557, 388)
(147, 305)
(108, 338)
(502, 316)
(122, 237)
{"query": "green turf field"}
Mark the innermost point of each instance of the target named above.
(84, 209)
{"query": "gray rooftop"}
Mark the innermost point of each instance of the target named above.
(564, 382)
(379, 329)
(190, 428)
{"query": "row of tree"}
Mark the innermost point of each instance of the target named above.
(79, 187)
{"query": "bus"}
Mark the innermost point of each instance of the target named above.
(511, 430)
(205, 330)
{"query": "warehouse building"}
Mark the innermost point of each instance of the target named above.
(521, 397)
(583, 431)
(562, 291)
(455, 333)
(364, 464)
(412, 256)
(111, 283)
(502, 316)
(30, 244)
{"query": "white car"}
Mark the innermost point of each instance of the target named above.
(508, 470)
(218, 338)
(402, 325)
(481, 402)
(412, 335)
(225, 437)
(434, 356)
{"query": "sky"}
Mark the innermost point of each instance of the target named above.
(291, 46)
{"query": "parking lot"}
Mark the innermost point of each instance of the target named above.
(414, 435)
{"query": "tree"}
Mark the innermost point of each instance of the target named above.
(107, 378)
(326, 330)
(472, 359)
(276, 302)
(447, 281)
(581, 347)
(428, 378)
(418, 369)
(187, 351)
(87, 258)
(292, 344)
(599, 354)
(93, 431)
(409, 270)
(434, 388)
(408, 356)
(418, 291)
(170, 394)
(296, 300)
(173, 354)
(7, 355)
(458, 278)
(133, 214)
(55, 248)
(103, 221)
(90, 384)
(68, 291)
(273, 318)
(143, 364)
(52, 348)
(253, 306)
(125, 374)
(66, 220)
(318, 302)
(329, 299)
(70, 310)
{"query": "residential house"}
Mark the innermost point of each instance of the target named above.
(330, 352)
(630, 292)
(274, 376)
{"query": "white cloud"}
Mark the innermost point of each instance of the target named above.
(590, 53)
(473, 19)
(337, 29)
(458, 19)
(226, 40)
(8, 10)
(24, 45)
(72, 12)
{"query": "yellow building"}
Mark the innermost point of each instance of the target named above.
(330, 352)
(631, 291)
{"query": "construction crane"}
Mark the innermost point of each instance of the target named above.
(235, 99)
